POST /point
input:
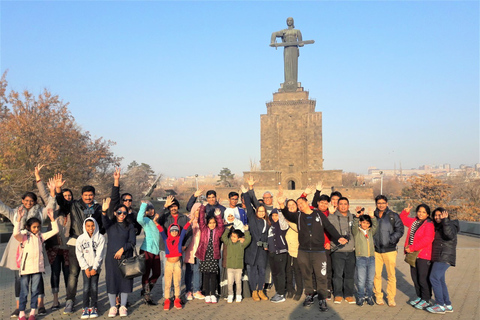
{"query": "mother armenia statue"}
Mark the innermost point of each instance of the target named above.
(291, 40)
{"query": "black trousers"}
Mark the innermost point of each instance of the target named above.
(420, 276)
(278, 265)
(329, 270)
(294, 276)
(314, 263)
(210, 283)
(343, 264)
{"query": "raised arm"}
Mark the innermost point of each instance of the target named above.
(42, 190)
(407, 221)
(184, 233)
(193, 199)
(253, 198)
(54, 231)
(248, 239)
(115, 196)
(7, 212)
(160, 228)
(59, 182)
(218, 217)
(106, 221)
(141, 214)
(201, 218)
(16, 224)
(450, 228)
(250, 209)
(225, 235)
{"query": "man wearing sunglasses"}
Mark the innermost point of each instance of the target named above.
(126, 199)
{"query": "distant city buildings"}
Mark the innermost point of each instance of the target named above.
(444, 170)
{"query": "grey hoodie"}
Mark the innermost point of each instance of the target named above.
(343, 224)
(90, 250)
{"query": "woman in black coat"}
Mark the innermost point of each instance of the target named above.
(256, 254)
(443, 256)
(121, 241)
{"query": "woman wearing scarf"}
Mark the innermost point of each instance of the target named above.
(418, 248)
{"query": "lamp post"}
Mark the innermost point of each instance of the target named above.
(381, 182)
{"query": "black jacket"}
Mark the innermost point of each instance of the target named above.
(255, 254)
(79, 211)
(390, 230)
(444, 247)
(311, 238)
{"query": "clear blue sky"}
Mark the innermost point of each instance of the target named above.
(181, 85)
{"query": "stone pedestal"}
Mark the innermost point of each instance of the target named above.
(291, 144)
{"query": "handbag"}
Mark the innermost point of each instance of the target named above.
(411, 258)
(134, 266)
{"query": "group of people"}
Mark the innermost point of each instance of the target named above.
(233, 253)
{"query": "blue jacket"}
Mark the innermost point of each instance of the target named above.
(152, 235)
(389, 231)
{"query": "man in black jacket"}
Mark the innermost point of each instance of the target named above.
(79, 211)
(390, 230)
(311, 250)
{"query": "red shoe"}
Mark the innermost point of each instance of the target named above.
(177, 303)
(166, 304)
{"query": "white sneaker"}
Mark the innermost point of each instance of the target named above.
(123, 311)
(112, 312)
(230, 299)
(213, 299)
(239, 298)
(208, 299)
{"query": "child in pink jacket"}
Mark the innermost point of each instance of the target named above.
(30, 258)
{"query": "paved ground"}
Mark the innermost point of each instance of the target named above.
(463, 282)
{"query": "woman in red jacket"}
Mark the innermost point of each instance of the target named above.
(421, 233)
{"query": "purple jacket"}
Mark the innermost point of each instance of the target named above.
(205, 235)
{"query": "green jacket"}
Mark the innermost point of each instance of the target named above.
(364, 246)
(235, 251)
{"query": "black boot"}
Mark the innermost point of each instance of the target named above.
(308, 300)
(323, 305)
(146, 296)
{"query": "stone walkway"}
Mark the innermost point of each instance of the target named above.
(463, 283)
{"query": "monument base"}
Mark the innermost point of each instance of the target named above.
(271, 179)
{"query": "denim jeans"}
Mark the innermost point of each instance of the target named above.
(365, 275)
(58, 266)
(437, 279)
(73, 275)
(25, 280)
(193, 279)
(256, 277)
(90, 290)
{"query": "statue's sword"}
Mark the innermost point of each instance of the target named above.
(293, 43)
